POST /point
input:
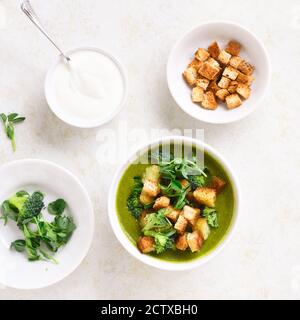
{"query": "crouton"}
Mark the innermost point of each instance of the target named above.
(246, 68)
(194, 241)
(213, 86)
(214, 50)
(145, 198)
(185, 184)
(202, 227)
(206, 196)
(142, 219)
(190, 196)
(181, 224)
(152, 173)
(224, 83)
(190, 75)
(230, 73)
(213, 62)
(232, 87)
(202, 83)
(195, 64)
(243, 90)
(191, 214)
(234, 48)
(151, 188)
(235, 62)
(201, 54)
(233, 101)
(209, 71)
(146, 244)
(245, 79)
(218, 184)
(222, 94)
(181, 242)
(224, 57)
(172, 214)
(209, 101)
(161, 202)
(197, 94)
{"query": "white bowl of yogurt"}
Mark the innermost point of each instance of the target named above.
(88, 91)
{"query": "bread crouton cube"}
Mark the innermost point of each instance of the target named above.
(214, 50)
(190, 75)
(245, 79)
(152, 173)
(246, 68)
(181, 224)
(191, 214)
(213, 86)
(172, 214)
(202, 227)
(234, 48)
(185, 184)
(145, 198)
(213, 62)
(224, 83)
(181, 242)
(201, 54)
(222, 94)
(151, 188)
(206, 196)
(232, 87)
(209, 71)
(233, 101)
(243, 90)
(230, 73)
(146, 244)
(202, 83)
(224, 57)
(195, 64)
(209, 101)
(195, 241)
(161, 202)
(197, 94)
(235, 62)
(218, 184)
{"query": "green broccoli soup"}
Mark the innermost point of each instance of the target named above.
(175, 209)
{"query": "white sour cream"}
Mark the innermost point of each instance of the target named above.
(88, 90)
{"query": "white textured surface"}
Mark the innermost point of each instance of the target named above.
(263, 259)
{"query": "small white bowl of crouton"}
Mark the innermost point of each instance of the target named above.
(174, 203)
(218, 72)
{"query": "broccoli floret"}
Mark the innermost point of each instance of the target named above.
(163, 242)
(27, 206)
(157, 222)
(211, 215)
(134, 204)
(161, 229)
(196, 181)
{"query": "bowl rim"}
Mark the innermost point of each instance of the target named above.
(90, 209)
(254, 105)
(155, 262)
(53, 105)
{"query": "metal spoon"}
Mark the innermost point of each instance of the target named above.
(28, 10)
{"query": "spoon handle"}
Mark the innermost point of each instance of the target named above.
(28, 10)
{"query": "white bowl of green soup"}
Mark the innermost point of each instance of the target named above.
(174, 203)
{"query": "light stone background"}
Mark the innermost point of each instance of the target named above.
(263, 259)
